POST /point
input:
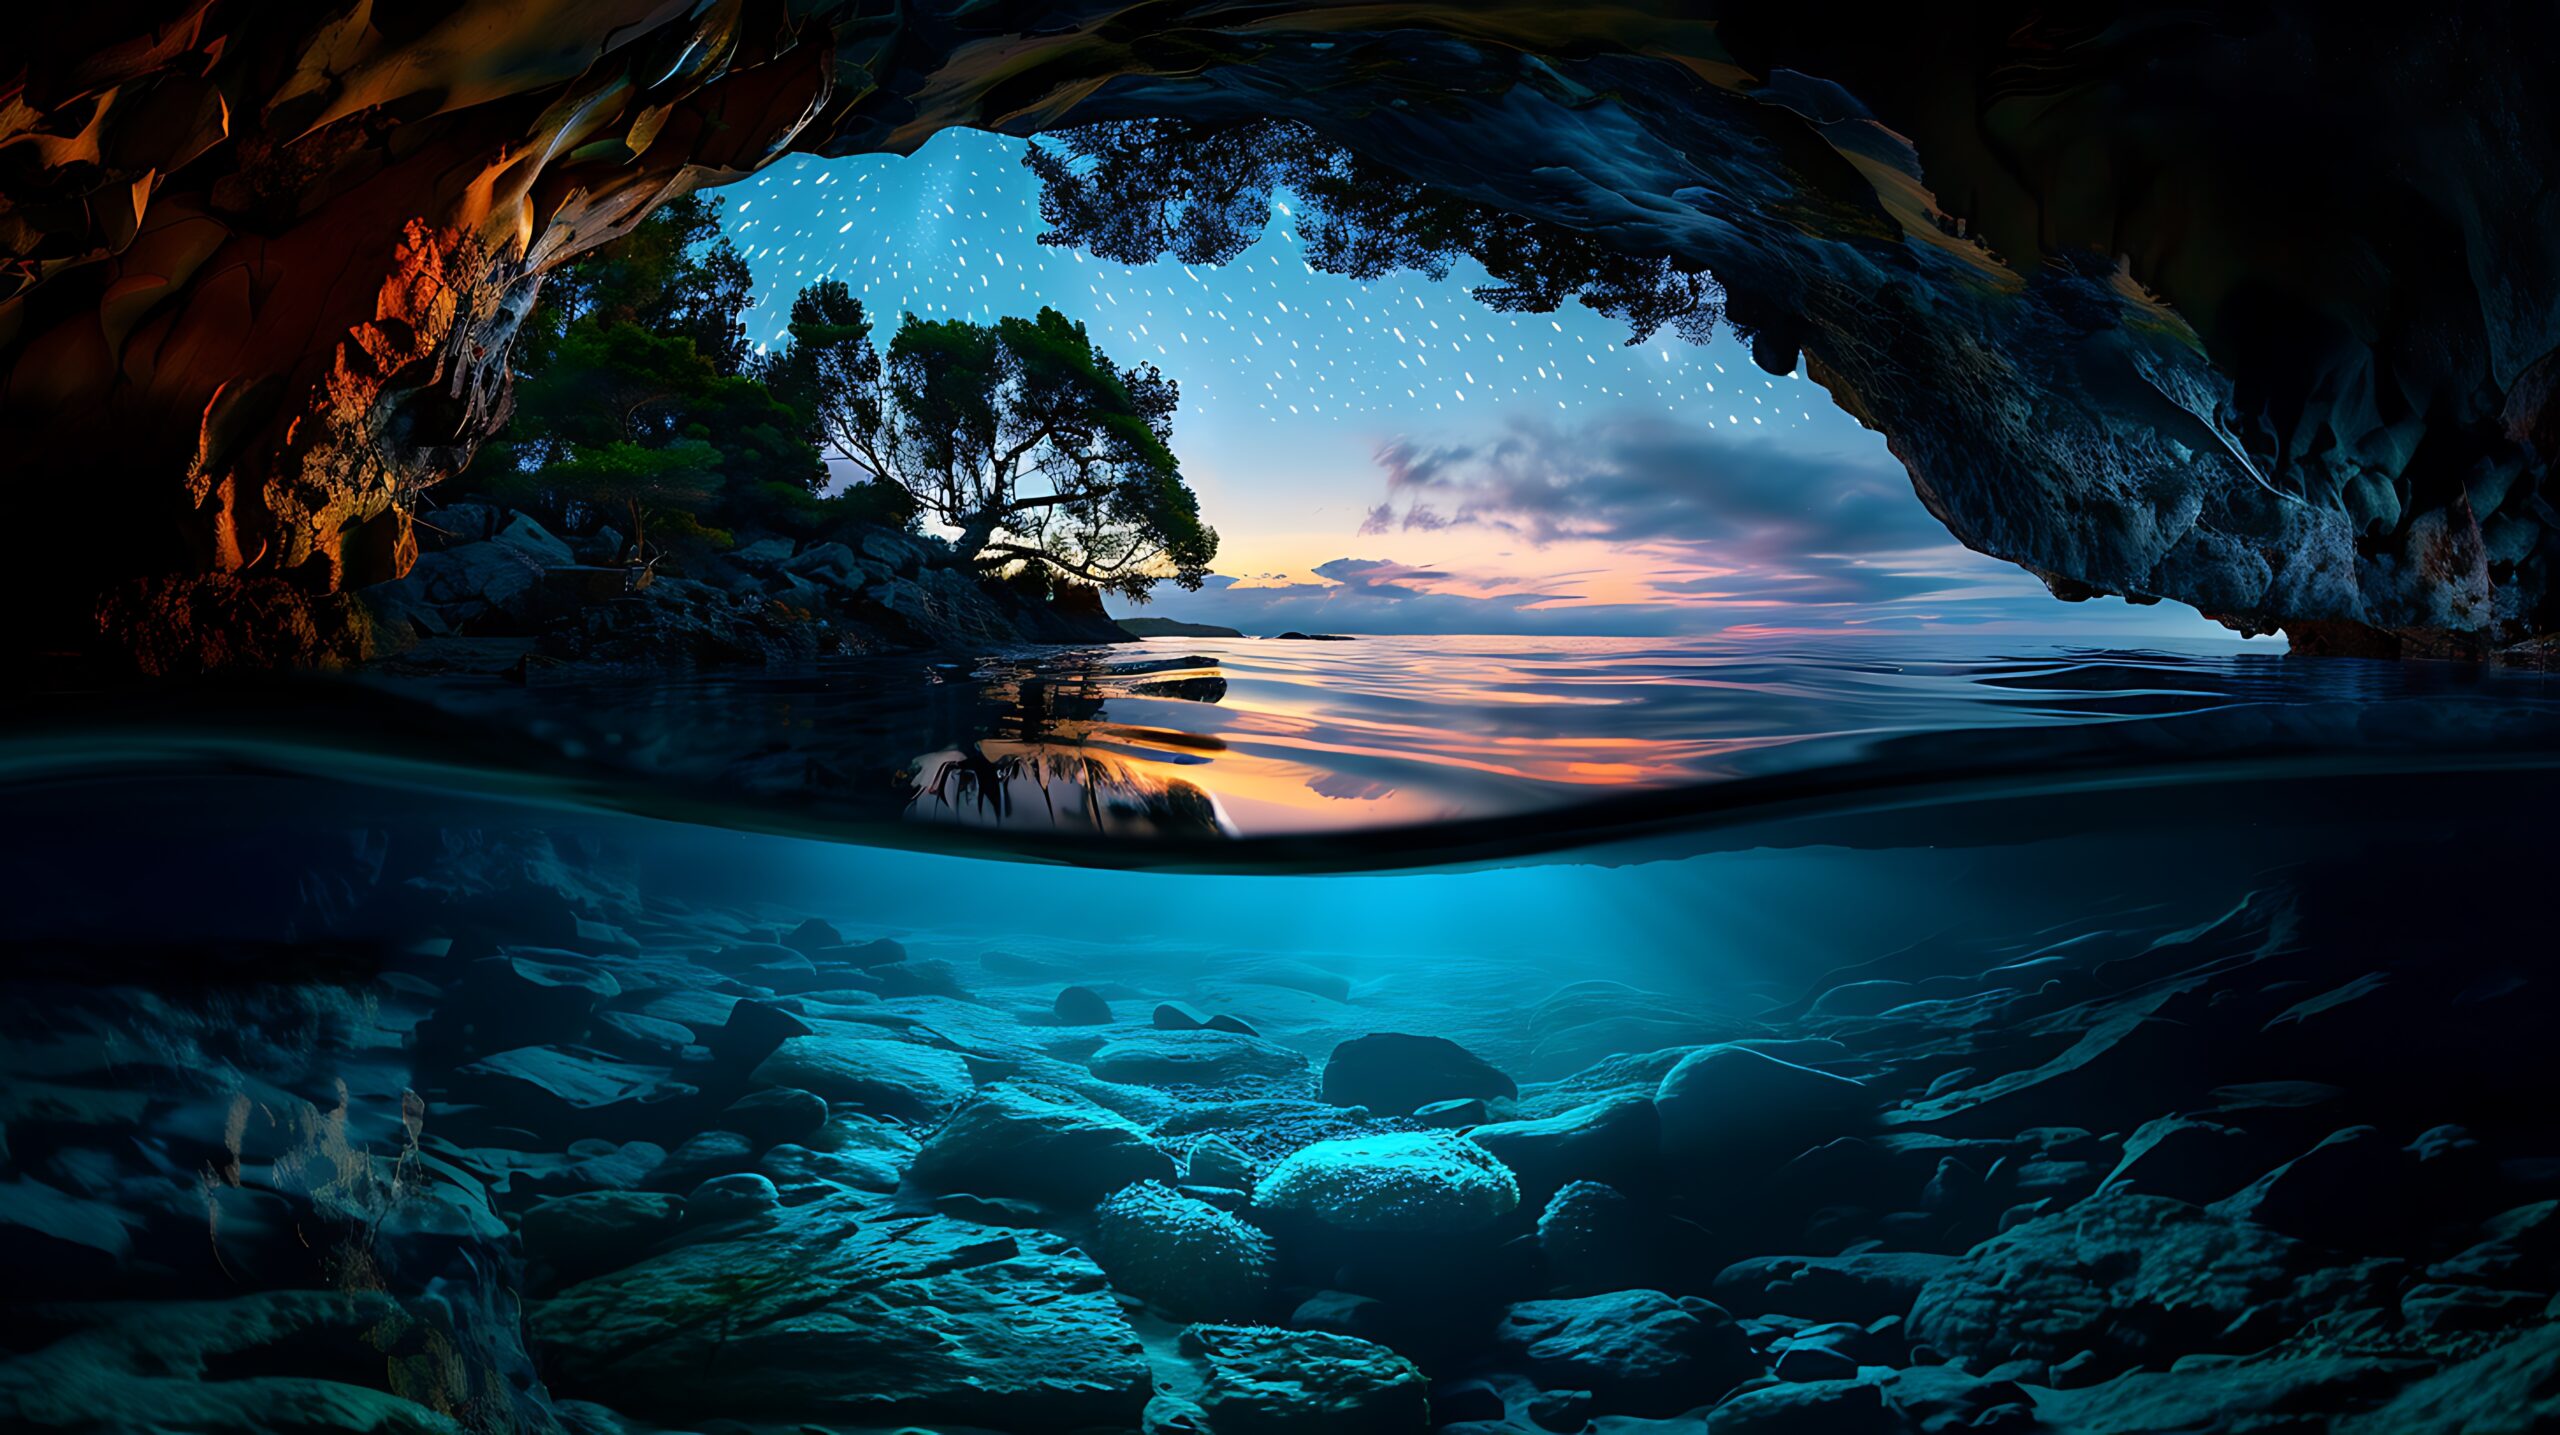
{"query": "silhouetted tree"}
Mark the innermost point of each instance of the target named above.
(1137, 190)
(674, 275)
(637, 395)
(1019, 434)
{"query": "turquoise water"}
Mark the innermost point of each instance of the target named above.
(345, 990)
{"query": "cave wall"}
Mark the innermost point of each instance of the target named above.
(2245, 307)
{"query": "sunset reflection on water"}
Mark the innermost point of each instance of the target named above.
(1242, 738)
(1255, 737)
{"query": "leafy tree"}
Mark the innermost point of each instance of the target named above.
(637, 395)
(643, 482)
(1137, 190)
(1019, 434)
(674, 275)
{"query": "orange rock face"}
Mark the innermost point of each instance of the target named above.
(263, 270)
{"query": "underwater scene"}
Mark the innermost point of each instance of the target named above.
(1064, 717)
(2083, 1041)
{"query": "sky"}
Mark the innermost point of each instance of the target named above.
(1394, 456)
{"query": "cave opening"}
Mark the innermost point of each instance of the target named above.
(1231, 719)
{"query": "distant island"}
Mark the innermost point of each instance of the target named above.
(1175, 628)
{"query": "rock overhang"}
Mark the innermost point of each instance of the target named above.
(2239, 311)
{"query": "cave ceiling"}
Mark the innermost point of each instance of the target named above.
(2250, 308)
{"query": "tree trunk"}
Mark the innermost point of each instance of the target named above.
(974, 537)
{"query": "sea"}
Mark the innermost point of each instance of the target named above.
(332, 991)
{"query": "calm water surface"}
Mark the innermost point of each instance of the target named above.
(1187, 737)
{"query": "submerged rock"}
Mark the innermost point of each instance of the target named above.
(819, 1318)
(738, 1196)
(866, 1153)
(752, 1031)
(1043, 1142)
(1863, 1286)
(1216, 1161)
(1616, 1140)
(2191, 1160)
(1408, 1181)
(2511, 1389)
(1729, 1105)
(597, 1231)
(1830, 1407)
(588, 1165)
(705, 1155)
(813, 936)
(154, 1366)
(1204, 1058)
(2356, 1189)
(1637, 1351)
(2517, 1247)
(878, 952)
(740, 957)
(870, 1069)
(2126, 1277)
(1920, 1401)
(570, 1092)
(1452, 1115)
(1182, 1255)
(775, 1115)
(1257, 1380)
(1593, 1238)
(1392, 1073)
(914, 977)
(523, 997)
(635, 1037)
(1081, 1006)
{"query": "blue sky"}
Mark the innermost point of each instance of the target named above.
(1396, 457)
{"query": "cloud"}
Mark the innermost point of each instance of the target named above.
(1950, 589)
(1633, 479)
(1703, 530)
(1378, 577)
(1371, 595)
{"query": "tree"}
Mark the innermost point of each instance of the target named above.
(674, 275)
(1020, 435)
(636, 395)
(641, 481)
(1137, 190)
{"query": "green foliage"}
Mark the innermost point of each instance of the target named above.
(1137, 190)
(636, 395)
(680, 532)
(876, 501)
(1020, 434)
(829, 370)
(674, 275)
(685, 472)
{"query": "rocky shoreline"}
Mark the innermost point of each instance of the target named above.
(565, 1156)
(494, 587)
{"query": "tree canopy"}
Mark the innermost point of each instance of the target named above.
(1137, 190)
(1020, 434)
(674, 275)
(637, 392)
